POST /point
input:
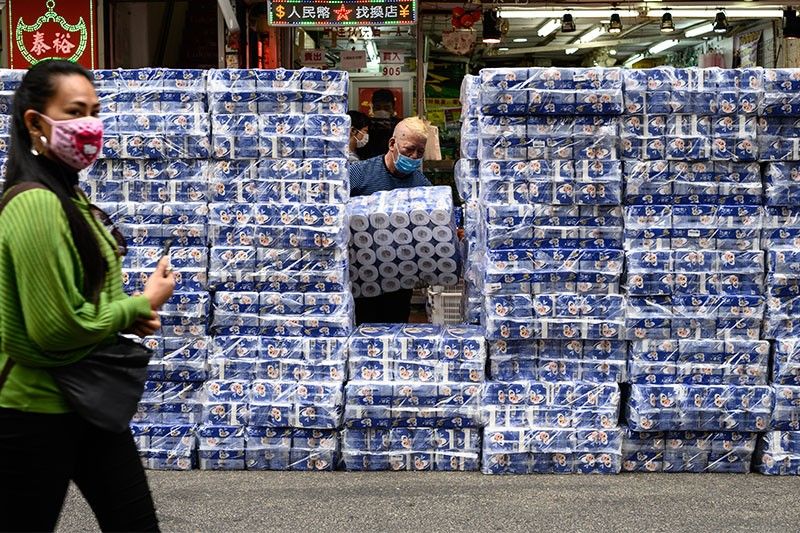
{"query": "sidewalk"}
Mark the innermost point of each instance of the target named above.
(442, 502)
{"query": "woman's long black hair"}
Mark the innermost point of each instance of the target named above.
(37, 88)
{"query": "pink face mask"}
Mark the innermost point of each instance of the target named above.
(76, 142)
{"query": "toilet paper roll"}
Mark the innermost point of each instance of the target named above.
(379, 221)
(359, 222)
(424, 249)
(390, 285)
(355, 288)
(426, 264)
(409, 282)
(408, 268)
(388, 270)
(383, 237)
(445, 249)
(362, 239)
(429, 278)
(370, 290)
(442, 234)
(399, 219)
(422, 234)
(406, 252)
(448, 280)
(440, 217)
(386, 254)
(447, 265)
(353, 273)
(366, 257)
(367, 274)
(403, 236)
(420, 217)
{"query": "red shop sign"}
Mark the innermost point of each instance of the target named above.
(51, 29)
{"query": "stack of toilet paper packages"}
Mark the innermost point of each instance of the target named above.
(270, 424)
(278, 186)
(701, 362)
(402, 237)
(551, 428)
(265, 448)
(413, 377)
(151, 178)
(9, 82)
(598, 361)
(166, 446)
(467, 181)
(550, 190)
(688, 451)
(778, 453)
(779, 136)
(700, 407)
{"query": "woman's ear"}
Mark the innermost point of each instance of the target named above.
(33, 123)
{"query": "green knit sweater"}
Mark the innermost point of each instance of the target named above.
(44, 319)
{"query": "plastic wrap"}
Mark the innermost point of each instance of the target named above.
(415, 449)
(166, 447)
(558, 360)
(684, 451)
(701, 362)
(786, 414)
(778, 453)
(552, 451)
(402, 237)
(291, 449)
(699, 407)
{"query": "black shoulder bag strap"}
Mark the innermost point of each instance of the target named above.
(10, 194)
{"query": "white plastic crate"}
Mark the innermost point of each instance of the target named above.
(446, 304)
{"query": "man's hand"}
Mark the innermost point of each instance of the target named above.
(144, 327)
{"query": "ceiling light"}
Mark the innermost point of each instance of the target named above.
(663, 45)
(567, 23)
(521, 40)
(667, 26)
(633, 59)
(791, 24)
(612, 52)
(491, 29)
(711, 13)
(708, 27)
(615, 26)
(558, 13)
(591, 35)
(548, 28)
(503, 49)
(570, 51)
(720, 23)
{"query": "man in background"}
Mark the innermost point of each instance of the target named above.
(399, 167)
(382, 124)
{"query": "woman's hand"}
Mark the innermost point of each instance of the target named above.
(160, 285)
(145, 327)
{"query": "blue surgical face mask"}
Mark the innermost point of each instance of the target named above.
(406, 164)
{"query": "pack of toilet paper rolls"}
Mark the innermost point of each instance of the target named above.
(778, 453)
(402, 237)
(688, 451)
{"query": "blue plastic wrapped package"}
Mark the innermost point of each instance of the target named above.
(551, 451)
(700, 362)
(291, 449)
(786, 414)
(700, 407)
(221, 447)
(778, 453)
(685, 451)
(166, 447)
(416, 449)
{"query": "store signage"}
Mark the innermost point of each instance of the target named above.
(393, 57)
(314, 58)
(391, 71)
(51, 29)
(342, 12)
(353, 60)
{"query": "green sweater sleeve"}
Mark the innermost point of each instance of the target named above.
(47, 271)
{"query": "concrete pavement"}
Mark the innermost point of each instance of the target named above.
(443, 502)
